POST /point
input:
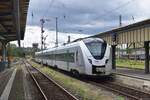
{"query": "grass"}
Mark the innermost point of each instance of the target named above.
(84, 90)
(133, 64)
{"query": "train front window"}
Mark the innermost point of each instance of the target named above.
(96, 48)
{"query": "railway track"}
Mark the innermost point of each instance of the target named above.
(49, 89)
(131, 93)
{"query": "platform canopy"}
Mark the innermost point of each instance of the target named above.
(13, 15)
(136, 33)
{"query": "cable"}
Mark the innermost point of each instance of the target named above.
(119, 7)
(102, 16)
(105, 15)
(48, 8)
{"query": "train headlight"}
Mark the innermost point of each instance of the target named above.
(90, 61)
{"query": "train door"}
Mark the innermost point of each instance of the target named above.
(67, 57)
(76, 58)
(80, 58)
(55, 53)
(52, 58)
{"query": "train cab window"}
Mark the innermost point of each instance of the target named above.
(96, 48)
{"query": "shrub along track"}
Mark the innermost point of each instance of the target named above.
(48, 87)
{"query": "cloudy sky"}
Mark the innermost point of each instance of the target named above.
(80, 18)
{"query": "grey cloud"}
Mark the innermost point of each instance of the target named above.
(79, 14)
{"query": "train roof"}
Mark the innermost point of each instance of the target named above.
(71, 44)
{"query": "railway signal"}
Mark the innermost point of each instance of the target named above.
(42, 37)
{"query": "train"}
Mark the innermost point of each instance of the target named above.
(89, 56)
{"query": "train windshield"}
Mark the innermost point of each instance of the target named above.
(97, 48)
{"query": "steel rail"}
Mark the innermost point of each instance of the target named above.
(119, 91)
(37, 84)
(115, 90)
(132, 88)
(51, 80)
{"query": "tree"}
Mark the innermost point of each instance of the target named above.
(15, 51)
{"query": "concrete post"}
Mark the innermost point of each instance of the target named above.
(3, 62)
(113, 56)
(146, 46)
(8, 55)
(4, 52)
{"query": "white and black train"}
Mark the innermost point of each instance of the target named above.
(90, 56)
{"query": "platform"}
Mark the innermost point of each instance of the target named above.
(133, 77)
(16, 84)
(135, 73)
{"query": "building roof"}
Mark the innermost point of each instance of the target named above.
(127, 27)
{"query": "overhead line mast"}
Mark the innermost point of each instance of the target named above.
(120, 20)
(56, 32)
(42, 31)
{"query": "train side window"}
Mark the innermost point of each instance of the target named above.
(71, 57)
(50, 56)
